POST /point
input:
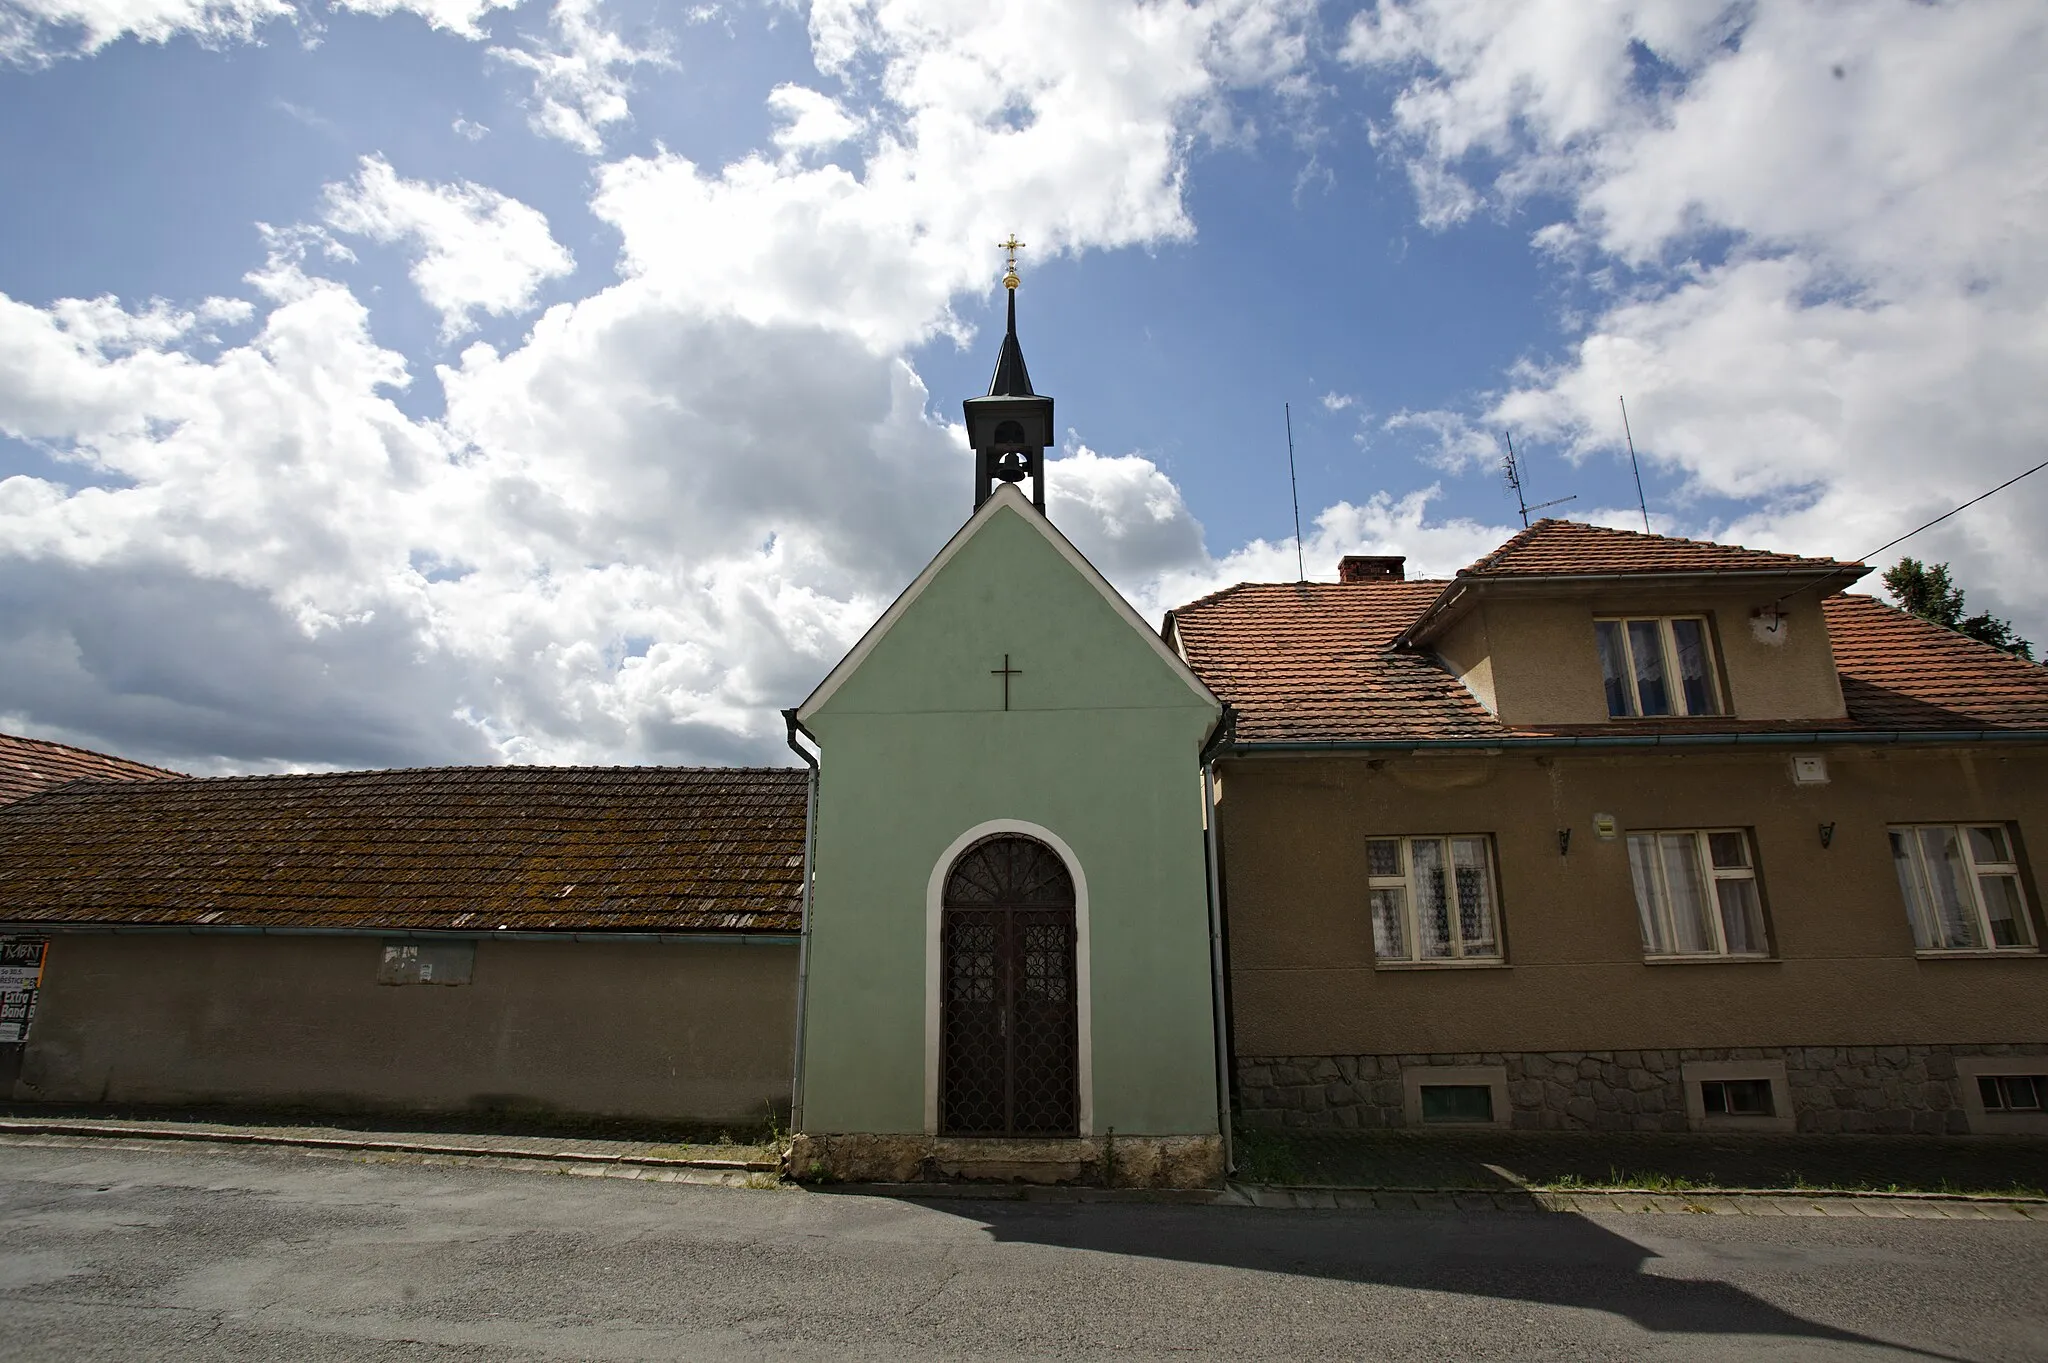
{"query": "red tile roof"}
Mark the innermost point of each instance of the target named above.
(1900, 672)
(1310, 662)
(1555, 546)
(644, 849)
(28, 765)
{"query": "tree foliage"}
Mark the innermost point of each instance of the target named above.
(1926, 590)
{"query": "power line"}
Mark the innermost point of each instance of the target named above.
(1866, 557)
(1951, 511)
(1300, 567)
(1640, 502)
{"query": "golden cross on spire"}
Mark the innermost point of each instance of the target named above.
(1010, 280)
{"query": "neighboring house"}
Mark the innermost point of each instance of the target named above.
(28, 765)
(536, 941)
(1624, 832)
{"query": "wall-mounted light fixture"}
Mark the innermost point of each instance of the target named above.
(1827, 834)
(1564, 841)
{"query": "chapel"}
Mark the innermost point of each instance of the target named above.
(1016, 942)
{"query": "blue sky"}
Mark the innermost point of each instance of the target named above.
(574, 381)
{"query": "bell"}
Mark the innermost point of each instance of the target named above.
(1011, 467)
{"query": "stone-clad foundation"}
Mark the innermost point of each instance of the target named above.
(1863, 1089)
(1111, 1160)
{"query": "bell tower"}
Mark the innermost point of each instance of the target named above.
(1011, 428)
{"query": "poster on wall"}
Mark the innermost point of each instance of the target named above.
(21, 975)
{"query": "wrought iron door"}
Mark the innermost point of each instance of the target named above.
(1008, 1059)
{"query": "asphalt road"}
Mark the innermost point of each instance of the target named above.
(195, 1254)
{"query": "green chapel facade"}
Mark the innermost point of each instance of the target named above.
(1010, 931)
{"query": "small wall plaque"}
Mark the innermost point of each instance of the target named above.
(1810, 771)
(1604, 827)
(428, 962)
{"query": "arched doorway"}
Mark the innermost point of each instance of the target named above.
(1009, 1039)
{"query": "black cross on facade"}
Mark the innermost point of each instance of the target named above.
(1006, 672)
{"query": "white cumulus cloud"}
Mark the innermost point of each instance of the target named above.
(36, 32)
(667, 510)
(475, 249)
(581, 74)
(1816, 235)
(810, 121)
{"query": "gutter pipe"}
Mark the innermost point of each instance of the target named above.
(803, 951)
(1837, 737)
(1218, 743)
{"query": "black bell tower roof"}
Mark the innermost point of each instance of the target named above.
(1011, 427)
(1011, 379)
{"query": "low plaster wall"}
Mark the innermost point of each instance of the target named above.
(688, 1033)
(1912, 1089)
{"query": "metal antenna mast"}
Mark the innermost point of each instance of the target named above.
(1294, 489)
(1633, 464)
(1513, 470)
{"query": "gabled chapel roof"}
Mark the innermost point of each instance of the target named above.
(553, 849)
(28, 765)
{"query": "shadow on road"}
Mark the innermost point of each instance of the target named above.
(1550, 1259)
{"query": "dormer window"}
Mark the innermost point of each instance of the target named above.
(1658, 666)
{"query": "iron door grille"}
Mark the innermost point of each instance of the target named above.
(1010, 1040)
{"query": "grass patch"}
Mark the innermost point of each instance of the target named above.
(1619, 1178)
(1655, 1182)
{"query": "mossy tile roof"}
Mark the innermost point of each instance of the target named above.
(556, 849)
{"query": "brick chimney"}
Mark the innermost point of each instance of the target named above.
(1372, 568)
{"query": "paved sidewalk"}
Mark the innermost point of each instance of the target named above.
(1677, 1162)
(1878, 1206)
(1409, 1173)
(750, 1158)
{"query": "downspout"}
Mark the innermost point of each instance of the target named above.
(1226, 726)
(803, 950)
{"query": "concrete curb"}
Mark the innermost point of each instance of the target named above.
(393, 1145)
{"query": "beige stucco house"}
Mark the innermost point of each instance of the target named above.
(1618, 831)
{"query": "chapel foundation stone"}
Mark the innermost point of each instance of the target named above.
(1110, 1160)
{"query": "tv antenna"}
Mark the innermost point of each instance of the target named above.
(1633, 464)
(1294, 488)
(1510, 467)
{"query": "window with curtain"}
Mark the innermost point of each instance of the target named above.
(1696, 893)
(1962, 887)
(1433, 899)
(1658, 666)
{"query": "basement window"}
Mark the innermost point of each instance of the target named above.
(2013, 1092)
(1736, 1098)
(427, 963)
(1660, 666)
(1457, 1103)
(1737, 1095)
